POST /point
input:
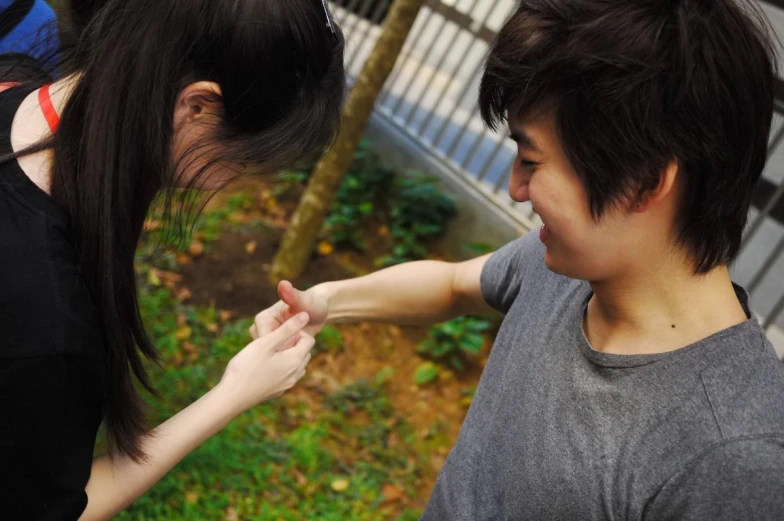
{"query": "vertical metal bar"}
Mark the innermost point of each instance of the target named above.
(774, 313)
(755, 226)
(776, 141)
(420, 65)
(374, 18)
(358, 17)
(504, 179)
(453, 73)
(396, 74)
(462, 132)
(438, 66)
(772, 202)
(460, 98)
(769, 262)
(475, 148)
(493, 156)
(347, 9)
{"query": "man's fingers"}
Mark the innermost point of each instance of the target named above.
(290, 296)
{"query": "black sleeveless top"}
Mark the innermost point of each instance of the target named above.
(52, 357)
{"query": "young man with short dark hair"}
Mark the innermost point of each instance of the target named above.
(629, 379)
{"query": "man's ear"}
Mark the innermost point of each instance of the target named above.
(663, 191)
(197, 101)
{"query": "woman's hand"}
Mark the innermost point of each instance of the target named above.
(268, 366)
(292, 301)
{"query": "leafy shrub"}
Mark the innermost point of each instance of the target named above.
(329, 339)
(449, 342)
(419, 214)
(366, 182)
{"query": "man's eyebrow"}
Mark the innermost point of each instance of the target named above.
(522, 139)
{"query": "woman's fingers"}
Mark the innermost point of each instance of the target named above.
(291, 327)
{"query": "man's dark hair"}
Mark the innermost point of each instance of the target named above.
(637, 84)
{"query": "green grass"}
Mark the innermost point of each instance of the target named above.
(280, 460)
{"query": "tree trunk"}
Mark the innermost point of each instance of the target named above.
(307, 222)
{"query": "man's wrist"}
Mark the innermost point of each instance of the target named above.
(325, 292)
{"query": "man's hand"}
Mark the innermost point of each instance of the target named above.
(292, 302)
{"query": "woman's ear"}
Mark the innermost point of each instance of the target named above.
(196, 103)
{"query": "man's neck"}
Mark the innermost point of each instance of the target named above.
(661, 310)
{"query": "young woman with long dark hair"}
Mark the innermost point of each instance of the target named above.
(155, 95)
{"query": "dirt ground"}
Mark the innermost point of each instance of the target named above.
(232, 276)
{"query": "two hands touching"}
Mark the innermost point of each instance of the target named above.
(283, 336)
(413, 293)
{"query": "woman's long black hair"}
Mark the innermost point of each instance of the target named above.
(280, 70)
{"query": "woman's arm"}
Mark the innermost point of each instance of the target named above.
(264, 369)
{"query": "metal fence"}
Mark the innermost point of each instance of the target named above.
(431, 97)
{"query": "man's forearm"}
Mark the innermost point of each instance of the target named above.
(419, 292)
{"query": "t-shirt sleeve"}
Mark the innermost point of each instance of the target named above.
(505, 271)
(740, 479)
(50, 408)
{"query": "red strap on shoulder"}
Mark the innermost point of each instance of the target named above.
(7, 85)
(50, 113)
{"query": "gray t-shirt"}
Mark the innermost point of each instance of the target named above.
(559, 431)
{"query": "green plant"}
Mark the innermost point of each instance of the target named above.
(329, 339)
(420, 213)
(289, 182)
(449, 342)
(426, 373)
(357, 200)
(281, 460)
(479, 248)
(172, 225)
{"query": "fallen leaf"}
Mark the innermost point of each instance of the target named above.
(383, 231)
(184, 294)
(301, 479)
(170, 276)
(467, 401)
(392, 493)
(183, 259)
(197, 248)
(232, 515)
(190, 347)
(250, 248)
(225, 316)
(395, 331)
(393, 440)
(182, 320)
(340, 485)
(184, 333)
(237, 217)
(191, 497)
(446, 375)
(151, 225)
(325, 248)
(153, 278)
(212, 327)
